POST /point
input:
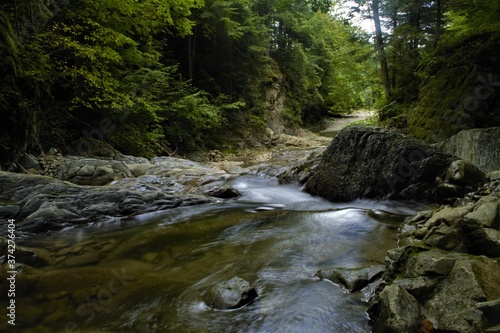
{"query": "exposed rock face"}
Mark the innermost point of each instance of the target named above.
(480, 146)
(378, 163)
(301, 171)
(448, 270)
(87, 171)
(232, 294)
(40, 203)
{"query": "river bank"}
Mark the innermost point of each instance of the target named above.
(156, 219)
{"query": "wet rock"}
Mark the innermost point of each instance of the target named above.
(378, 163)
(231, 294)
(9, 210)
(223, 192)
(396, 312)
(353, 279)
(27, 278)
(185, 172)
(149, 183)
(34, 257)
(50, 204)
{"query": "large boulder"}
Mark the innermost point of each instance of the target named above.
(480, 146)
(378, 163)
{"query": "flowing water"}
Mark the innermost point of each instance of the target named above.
(147, 274)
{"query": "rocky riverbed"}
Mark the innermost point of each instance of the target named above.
(442, 277)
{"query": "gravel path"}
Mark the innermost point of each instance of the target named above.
(336, 124)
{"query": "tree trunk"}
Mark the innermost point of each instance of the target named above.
(379, 44)
(394, 67)
(191, 53)
(439, 18)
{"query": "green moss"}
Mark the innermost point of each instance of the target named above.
(442, 109)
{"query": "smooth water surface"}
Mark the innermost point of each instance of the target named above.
(148, 274)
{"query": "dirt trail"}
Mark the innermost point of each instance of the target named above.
(336, 124)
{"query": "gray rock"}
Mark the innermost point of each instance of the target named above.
(483, 241)
(452, 305)
(150, 183)
(9, 210)
(231, 294)
(458, 290)
(378, 163)
(430, 263)
(96, 149)
(486, 213)
(397, 312)
(30, 162)
(448, 215)
(35, 257)
(139, 169)
(419, 287)
(464, 173)
(95, 172)
(479, 146)
(444, 237)
(46, 203)
(223, 192)
(301, 171)
(490, 310)
(353, 279)
(494, 175)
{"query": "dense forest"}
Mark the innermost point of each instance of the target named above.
(156, 76)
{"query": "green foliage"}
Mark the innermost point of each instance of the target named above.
(170, 73)
(439, 54)
(166, 107)
(24, 81)
(371, 121)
